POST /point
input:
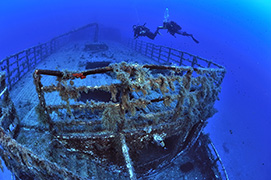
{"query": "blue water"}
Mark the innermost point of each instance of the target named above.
(236, 34)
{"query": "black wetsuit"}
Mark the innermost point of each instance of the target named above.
(173, 28)
(144, 31)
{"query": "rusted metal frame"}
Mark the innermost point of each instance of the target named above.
(103, 70)
(80, 88)
(42, 103)
(101, 105)
(140, 131)
(51, 108)
(127, 158)
(77, 123)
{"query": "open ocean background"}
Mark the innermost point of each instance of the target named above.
(233, 33)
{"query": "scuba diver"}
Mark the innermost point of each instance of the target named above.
(144, 31)
(173, 28)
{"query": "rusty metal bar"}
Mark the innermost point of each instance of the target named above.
(128, 161)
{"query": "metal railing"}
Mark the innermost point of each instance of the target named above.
(163, 54)
(17, 65)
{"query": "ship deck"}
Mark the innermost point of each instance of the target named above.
(71, 57)
(148, 124)
(75, 57)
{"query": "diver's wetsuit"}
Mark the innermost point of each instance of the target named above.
(144, 31)
(173, 28)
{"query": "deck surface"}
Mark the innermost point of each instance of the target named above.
(70, 57)
(73, 58)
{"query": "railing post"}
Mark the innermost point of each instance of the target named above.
(41, 52)
(2, 82)
(127, 158)
(159, 56)
(194, 61)
(169, 52)
(181, 59)
(18, 67)
(209, 64)
(8, 73)
(51, 47)
(152, 50)
(42, 109)
(146, 51)
(27, 59)
(35, 56)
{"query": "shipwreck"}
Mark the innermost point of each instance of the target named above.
(134, 113)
